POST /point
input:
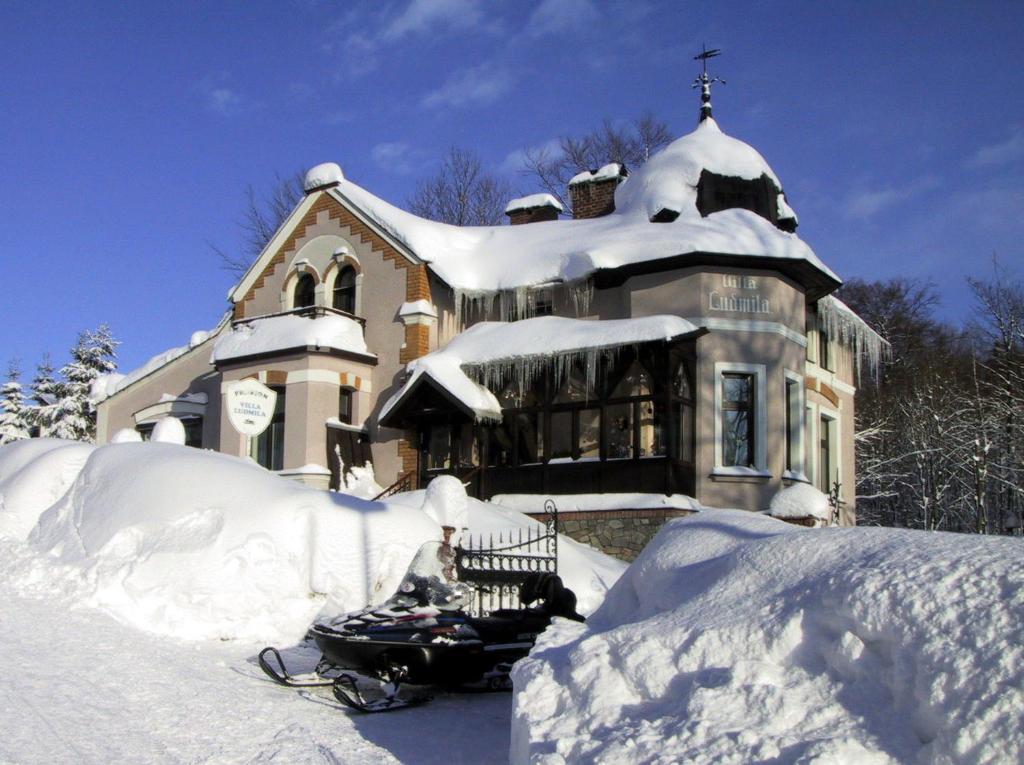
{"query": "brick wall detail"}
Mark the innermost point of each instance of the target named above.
(417, 281)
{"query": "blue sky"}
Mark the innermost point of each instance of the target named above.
(129, 131)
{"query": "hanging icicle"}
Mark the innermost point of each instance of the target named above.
(524, 370)
(582, 294)
(841, 324)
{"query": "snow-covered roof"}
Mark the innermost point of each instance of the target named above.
(279, 333)
(479, 259)
(533, 200)
(514, 347)
(604, 173)
(105, 386)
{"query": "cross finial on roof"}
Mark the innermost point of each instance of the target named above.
(705, 82)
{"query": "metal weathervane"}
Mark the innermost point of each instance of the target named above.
(705, 82)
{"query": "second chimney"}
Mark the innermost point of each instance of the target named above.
(593, 191)
(533, 209)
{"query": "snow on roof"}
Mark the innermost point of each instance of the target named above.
(278, 333)
(323, 175)
(105, 386)
(481, 259)
(604, 173)
(498, 347)
(533, 200)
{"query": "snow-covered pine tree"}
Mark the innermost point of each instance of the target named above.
(93, 355)
(46, 393)
(14, 419)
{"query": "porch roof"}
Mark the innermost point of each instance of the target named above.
(518, 347)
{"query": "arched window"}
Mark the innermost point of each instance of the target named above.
(305, 291)
(345, 290)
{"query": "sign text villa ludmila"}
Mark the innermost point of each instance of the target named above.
(742, 296)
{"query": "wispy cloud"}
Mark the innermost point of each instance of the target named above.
(559, 16)
(867, 203)
(515, 161)
(1005, 152)
(221, 99)
(423, 16)
(476, 86)
(362, 49)
(398, 157)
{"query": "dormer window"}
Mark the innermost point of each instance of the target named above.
(345, 290)
(305, 291)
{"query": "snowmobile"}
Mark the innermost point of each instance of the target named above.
(426, 635)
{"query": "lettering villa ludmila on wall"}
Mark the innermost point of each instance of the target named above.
(749, 301)
(676, 336)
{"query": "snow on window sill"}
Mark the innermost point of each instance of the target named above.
(738, 471)
(795, 475)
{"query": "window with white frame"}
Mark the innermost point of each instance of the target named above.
(740, 418)
(828, 468)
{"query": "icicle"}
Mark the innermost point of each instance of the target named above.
(844, 326)
(582, 294)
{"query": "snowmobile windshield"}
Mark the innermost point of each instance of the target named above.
(430, 580)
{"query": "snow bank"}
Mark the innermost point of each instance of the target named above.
(801, 500)
(737, 638)
(279, 333)
(34, 474)
(200, 545)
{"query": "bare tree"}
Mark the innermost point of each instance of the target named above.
(631, 145)
(260, 220)
(462, 193)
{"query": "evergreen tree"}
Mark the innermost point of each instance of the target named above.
(14, 419)
(46, 393)
(92, 356)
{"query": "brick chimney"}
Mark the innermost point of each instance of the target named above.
(533, 209)
(593, 191)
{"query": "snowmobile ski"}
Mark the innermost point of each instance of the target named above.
(347, 692)
(282, 677)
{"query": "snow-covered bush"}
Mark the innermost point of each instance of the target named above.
(737, 638)
(169, 430)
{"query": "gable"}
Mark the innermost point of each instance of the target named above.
(317, 209)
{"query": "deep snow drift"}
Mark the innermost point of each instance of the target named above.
(737, 638)
(200, 545)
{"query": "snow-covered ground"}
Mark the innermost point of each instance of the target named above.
(139, 580)
(737, 638)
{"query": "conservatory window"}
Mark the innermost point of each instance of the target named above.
(682, 404)
(561, 435)
(305, 291)
(620, 431)
(529, 437)
(345, 290)
(469, 450)
(589, 439)
(439, 448)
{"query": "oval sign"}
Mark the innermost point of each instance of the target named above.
(250, 406)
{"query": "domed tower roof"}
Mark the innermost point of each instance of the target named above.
(702, 173)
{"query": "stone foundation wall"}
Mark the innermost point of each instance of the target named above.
(620, 533)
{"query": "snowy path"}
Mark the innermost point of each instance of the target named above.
(82, 688)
